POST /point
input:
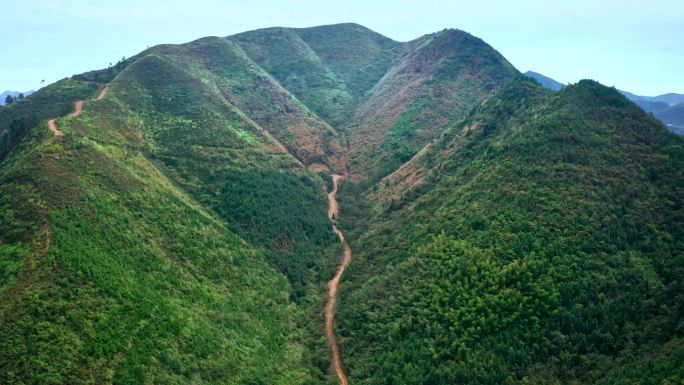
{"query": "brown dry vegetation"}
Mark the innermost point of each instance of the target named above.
(436, 82)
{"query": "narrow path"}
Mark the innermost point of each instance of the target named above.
(102, 93)
(53, 127)
(78, 108)
(334, 284)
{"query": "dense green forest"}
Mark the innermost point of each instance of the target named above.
(544, 245)
(177, 232)
(113, 275)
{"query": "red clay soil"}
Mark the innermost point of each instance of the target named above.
(53, 127)
(334, 284)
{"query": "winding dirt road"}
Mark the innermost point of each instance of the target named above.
(53, 127)
(78, 108)
(334, 284)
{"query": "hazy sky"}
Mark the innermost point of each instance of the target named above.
(637, 46)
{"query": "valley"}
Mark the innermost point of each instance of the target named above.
(188, 215)
(334, 284)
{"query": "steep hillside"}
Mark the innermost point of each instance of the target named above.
(157, 236)
(438, 80)
(543, 244)
(328, 68)
(667, 108)
(175, 229)
(111, 274)
(229, 163)
(227, 71)
(17, 120)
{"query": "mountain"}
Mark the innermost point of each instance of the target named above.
(667, 108)
(173, 219)
(670, 99)
(545, 81)
(14, 94)
(437, 80)
(514, 249)
(649, 103)
(673, 117)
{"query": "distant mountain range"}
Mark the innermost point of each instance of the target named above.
(669, 108)
(545, 81)
(3, 95)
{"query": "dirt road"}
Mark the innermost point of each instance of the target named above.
(334, 284)
(102, 93)
(53, 127)
(78, 108)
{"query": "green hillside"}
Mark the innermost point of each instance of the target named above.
(111, 274)
(437, 81)
(542, 244)
(132, 251)
(329, 68)
(177, 232)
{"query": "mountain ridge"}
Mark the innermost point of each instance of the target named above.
(667, 107)
(179, 231)
(670, 98)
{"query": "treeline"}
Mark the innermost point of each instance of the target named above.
(104, 76)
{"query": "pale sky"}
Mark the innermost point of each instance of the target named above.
(637, 46)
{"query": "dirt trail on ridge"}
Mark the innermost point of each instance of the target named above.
(334, 284)
(78, 108)
(102, 93)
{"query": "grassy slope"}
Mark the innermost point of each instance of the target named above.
(115, 275)
(297, 67)
(328, 68)
(437, 81)
(221, 157)
(17, 120)
(130, 251)
(544, 246)
(258, 95)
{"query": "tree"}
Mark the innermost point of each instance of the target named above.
(9, 99)
(20, 97)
